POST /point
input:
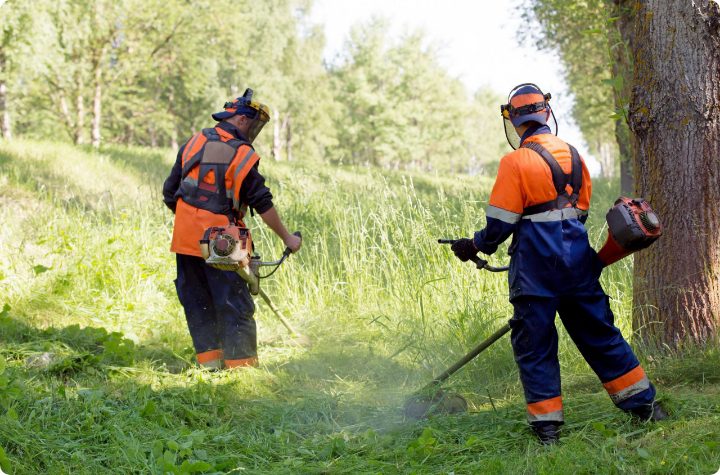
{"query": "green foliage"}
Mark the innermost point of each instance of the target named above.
(581, 31)
(152, 72)
(400, 110)
(98, 347)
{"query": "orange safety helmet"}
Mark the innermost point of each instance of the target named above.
(526, 103)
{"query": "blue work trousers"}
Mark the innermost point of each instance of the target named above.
(590, 323)
(218, 307)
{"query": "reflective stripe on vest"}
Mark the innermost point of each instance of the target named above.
(556, 215)
(205, 163)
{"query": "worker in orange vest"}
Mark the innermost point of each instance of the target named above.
(214, 181)
(541, 197)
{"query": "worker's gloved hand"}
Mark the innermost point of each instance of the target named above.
(464, 249)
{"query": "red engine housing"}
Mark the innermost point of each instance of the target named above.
(632, 225)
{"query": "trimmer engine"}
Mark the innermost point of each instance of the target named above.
(632, 225)
(227, 247)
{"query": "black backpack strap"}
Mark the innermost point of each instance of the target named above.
(560, 179)
(576, 180)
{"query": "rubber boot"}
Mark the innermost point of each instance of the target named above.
(547, 432)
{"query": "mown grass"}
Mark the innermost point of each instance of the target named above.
(97, 373)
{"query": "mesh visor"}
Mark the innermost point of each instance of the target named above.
(512, 137)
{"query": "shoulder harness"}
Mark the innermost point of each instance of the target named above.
(560, 180)
(215, 155)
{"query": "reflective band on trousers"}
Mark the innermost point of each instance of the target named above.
(502, 214)
(209, 356)
(556, 416)
(547, 410)
(631, 383)
(556, 215)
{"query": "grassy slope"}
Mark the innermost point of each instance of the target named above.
(96, 374)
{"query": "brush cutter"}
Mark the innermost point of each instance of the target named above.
(431, 399)
(229, 248)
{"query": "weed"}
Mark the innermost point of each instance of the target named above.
(96, 363)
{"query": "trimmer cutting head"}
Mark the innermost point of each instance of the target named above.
(422, 405)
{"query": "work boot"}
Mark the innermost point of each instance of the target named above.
(547, 432)
(650, 412)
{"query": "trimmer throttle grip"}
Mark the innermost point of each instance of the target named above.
(287, 250)
(480, 263)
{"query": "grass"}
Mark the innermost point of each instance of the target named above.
(96, 374)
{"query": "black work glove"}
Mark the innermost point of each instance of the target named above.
(464, 249)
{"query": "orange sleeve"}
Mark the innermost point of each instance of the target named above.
(508, 193)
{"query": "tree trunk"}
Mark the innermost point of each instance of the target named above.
(174, 139)
(276, 148)
(622, 136)
(153, 136)
(80, 122)
(4, 108)
(97, 109)
(622, 41)
(5, 126)
(288, 138)
(675, 119)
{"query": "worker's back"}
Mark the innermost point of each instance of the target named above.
(550, 251)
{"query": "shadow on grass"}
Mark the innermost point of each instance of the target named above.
(45, 181)
(151, 165)
(72, 349)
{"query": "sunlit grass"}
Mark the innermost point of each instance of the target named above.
(85, 241)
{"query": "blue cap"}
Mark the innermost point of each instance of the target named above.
(237, 107)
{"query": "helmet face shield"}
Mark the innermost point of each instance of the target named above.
(257, 114)
(256, 125)
(526, 103)
(511, 134)
(257, 119)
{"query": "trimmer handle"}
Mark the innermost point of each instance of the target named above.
(479, 263)
(287, 250)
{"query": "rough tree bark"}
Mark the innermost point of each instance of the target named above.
(675, 123)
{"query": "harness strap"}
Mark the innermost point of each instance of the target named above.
(560, 180)
(575, 174)
(213, 154)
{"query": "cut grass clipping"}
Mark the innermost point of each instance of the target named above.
(97, 372)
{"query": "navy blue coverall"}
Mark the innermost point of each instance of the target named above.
(553, 270)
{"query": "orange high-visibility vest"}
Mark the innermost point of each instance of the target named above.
(203, 199)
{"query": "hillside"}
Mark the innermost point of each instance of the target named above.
(96, 374)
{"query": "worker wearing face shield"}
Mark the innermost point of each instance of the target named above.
(214, 181)
(541, 197)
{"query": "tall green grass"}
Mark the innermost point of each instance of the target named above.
(97, 375)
